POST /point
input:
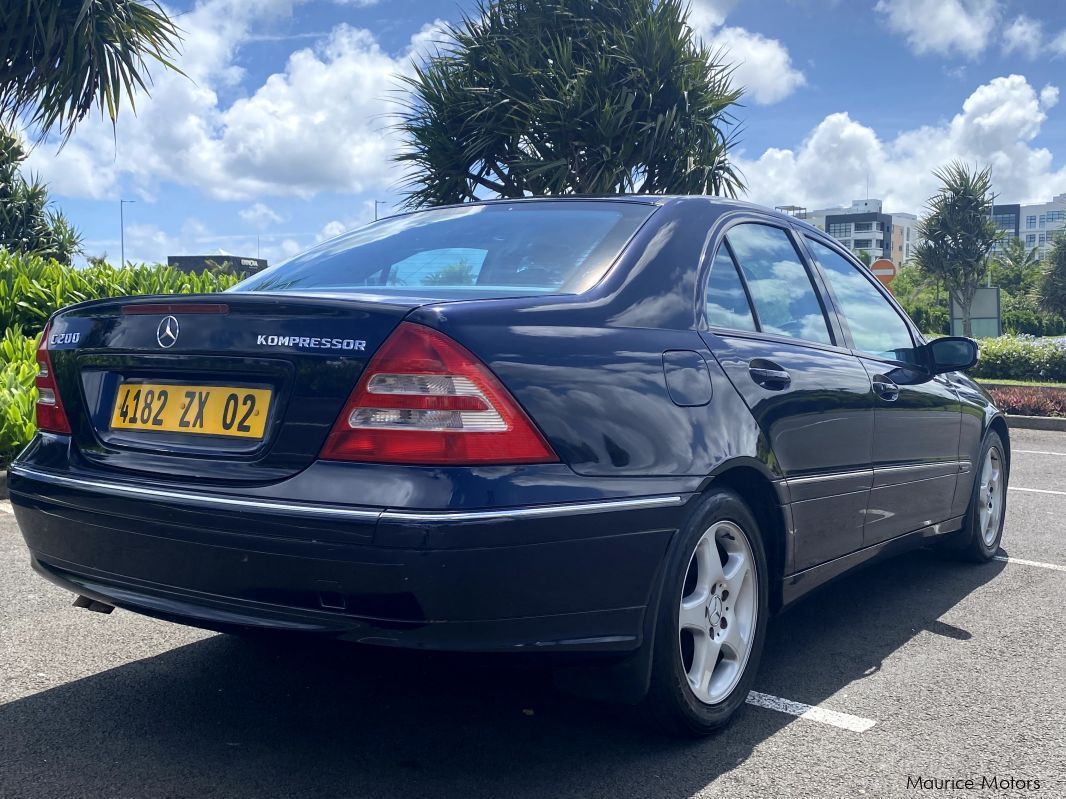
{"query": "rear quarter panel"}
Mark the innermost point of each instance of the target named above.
(589, 369)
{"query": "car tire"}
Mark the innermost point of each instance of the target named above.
(712, 618)
(982, 528)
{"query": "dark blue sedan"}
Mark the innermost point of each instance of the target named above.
(631, 428)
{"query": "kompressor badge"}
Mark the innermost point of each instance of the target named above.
(311, 342)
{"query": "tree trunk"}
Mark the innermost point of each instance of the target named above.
(964, 298)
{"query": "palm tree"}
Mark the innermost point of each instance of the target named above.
(958, 234)
(59, 58)
(1016, 267)
(27, 221)
(1052, 286)
(570, 97)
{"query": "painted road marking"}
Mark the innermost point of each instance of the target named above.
(1037, 491)
(1039, 452)
(5, 506)
(1020, 561)
(844, 721)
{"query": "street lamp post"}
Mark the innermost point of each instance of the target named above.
(122, 227)
(376, 204)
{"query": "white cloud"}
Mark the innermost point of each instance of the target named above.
(942, 26)
(1057, 46)
(320, 124)
(996, 125)
(763, 65)
(705, 15)
(357, 3)
(260, 215)
(1024, 35)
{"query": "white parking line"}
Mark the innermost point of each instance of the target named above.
(834, 718)
(1020, 561)
(1037, 490)
(5, 506)
(1038, 452)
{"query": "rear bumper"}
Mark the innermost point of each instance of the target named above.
(577, 576)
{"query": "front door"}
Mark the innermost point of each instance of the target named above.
(918, 417)
(811, 398)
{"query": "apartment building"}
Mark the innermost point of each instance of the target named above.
(1040, 224)
(865, 227)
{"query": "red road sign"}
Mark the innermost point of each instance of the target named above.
(884, 270)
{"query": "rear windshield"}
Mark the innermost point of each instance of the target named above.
(501, 249)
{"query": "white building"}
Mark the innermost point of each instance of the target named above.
(1041, 223)
(864, 227)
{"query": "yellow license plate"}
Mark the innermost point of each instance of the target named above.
(207, 410)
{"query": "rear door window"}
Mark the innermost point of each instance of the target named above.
(781, 289)
(726, 303)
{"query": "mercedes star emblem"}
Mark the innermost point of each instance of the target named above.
(167, 332)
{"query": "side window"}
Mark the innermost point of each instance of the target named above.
(780, 287)
(726, 302)
(876, 328)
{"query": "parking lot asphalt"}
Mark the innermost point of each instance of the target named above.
(953, 671)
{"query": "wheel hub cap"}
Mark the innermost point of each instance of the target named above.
(718, 612)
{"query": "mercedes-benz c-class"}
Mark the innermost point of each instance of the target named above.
(629, 428)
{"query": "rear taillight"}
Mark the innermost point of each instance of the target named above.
(50, 414)
(425, 399)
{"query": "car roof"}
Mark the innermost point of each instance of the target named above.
(725, 203)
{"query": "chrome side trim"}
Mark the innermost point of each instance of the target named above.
(533, 512)
(140, 492)
(821, 478)
(543, 511)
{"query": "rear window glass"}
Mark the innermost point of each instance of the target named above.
(502, 249)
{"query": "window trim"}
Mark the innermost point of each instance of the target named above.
(917, 340)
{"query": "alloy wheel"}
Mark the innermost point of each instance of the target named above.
(718, 612)
(990, 496)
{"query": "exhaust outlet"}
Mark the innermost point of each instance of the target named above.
(93, 605)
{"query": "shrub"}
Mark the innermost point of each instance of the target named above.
(18, 367)
(17, 398)
(1022, 358)
(33, 288)
(1030, 400)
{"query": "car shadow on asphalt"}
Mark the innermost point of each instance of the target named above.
(227, 717)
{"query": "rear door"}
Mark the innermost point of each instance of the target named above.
(918, 417)
(810, 396)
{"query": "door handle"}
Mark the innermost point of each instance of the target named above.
(768, 374)
(885, 388)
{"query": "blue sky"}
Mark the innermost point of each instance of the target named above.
(279, 137)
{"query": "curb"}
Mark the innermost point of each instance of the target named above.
(1036, 422)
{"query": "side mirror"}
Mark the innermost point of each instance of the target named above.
(951, 354)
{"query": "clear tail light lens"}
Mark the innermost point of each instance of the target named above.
(425, 399)
(50, 414)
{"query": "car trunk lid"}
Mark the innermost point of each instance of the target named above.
(212, 388)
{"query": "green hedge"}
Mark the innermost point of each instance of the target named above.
(18, 368)
(33, 288)
(1022, 358)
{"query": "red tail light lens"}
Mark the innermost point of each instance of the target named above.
(50, 414)
(425, 399)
